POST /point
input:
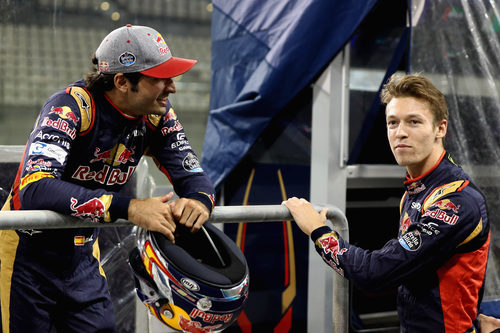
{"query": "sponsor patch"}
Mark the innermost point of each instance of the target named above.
(190, 284)
(416, 187)
(117, 155)
(127, 59)
(210, 317)
(52, 137)
(428, 228)
(103, 66)
(330, 245)
(416, 205)
(193, 326)
(182, 143)
(411, 241)
(175, 128)
(441, 215)
(116, 176)
(38, 165)
(34, 177)
(49, 150)
(60, 125)
(160, 43)
(191, 163)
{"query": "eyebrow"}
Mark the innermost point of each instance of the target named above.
(411, 115)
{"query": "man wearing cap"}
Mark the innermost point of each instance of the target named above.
(84, 147)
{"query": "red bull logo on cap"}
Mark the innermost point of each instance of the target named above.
(103, 66)
(65, 113)
(162, 45)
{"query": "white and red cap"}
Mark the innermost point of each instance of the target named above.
(135, 48)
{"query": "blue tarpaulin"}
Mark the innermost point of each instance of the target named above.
(263, 54)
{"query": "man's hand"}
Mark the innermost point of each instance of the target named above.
(153, 214)
(304, 214)
(488, 324)
(190, 213)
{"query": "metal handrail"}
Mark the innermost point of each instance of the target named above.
(46, 219)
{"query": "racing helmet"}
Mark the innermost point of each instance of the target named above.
(197, 284)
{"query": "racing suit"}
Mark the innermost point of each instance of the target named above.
(438, 259)
(80, 153)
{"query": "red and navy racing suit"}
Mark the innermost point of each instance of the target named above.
(81, 152)
(438, 259)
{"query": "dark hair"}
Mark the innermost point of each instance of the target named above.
(96, 81)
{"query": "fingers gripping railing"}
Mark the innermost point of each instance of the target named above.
(45, 219)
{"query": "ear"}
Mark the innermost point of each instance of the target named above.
(442, 127)
(121, 83)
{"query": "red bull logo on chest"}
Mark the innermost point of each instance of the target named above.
(107, 175)
(115, 156)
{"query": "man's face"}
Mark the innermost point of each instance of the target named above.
(415, 141)
(150, 97)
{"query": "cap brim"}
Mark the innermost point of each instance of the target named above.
(170, 68)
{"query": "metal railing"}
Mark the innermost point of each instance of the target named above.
(45, 219)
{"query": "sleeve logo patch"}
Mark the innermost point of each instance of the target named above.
(49, 150)
(330, 246)
(191, 163)
(34, 177)
(92, 209)
(411, 241)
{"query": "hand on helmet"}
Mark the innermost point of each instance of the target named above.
(153, 214)
(191, 213)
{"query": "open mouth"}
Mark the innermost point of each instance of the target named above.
(162, 101)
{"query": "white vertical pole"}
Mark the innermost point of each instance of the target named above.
(328, 306)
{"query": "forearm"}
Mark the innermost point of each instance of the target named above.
(71, 199)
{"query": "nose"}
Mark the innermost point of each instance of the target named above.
(170, 86)
(401, 131)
